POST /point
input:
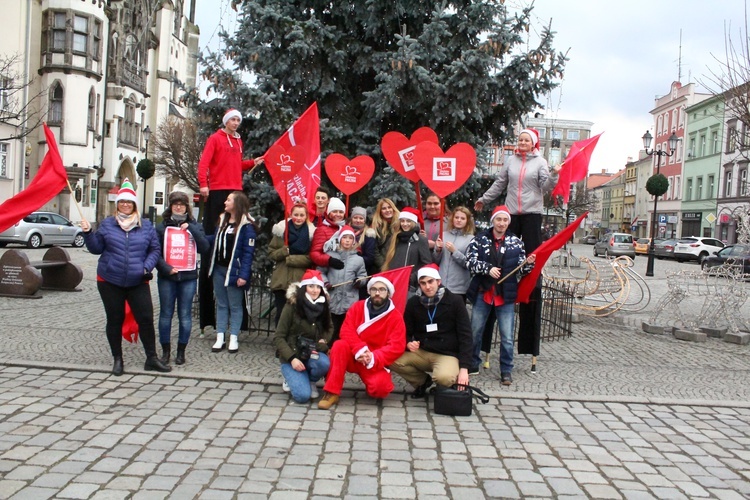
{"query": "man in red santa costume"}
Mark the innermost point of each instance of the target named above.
(372, 337)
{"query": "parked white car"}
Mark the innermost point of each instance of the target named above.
(696, 248)
(43, 228)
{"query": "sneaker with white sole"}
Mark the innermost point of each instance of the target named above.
(314, 394)
(285, 387)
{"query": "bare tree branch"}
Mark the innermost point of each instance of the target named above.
(25, 114)
(177, 150)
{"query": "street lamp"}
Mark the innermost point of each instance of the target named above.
(658, 153)
(146, 137)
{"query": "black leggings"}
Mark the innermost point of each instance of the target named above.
(139, 298)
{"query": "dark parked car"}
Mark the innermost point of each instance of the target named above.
(43, 228)
(589, 239)
(665, 249)
(738, 255)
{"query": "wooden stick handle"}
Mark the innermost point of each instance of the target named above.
(80, 212)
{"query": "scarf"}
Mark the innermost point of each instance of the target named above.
(404, 236)
(431, 301)
(299, 238)
(179, 219)
(313, 309)
(128, 222)
(375, 312)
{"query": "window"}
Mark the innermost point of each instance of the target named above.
(58, 32)
(699, 188)
(659, 125)
(129, 130)
(710, 193)
(677, 187)
(743, 182)
(96, 38)
(542, 132)
(80, 34)
(691, 151)
(573, 135)
(731, 139)
(727, 183)
(92, 110)
(689, 190)
(703, 145)
(714, 142)
(4, 160)
(556, 134)
(56, 104)
(669, 195)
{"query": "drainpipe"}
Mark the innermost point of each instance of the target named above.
(24, 115)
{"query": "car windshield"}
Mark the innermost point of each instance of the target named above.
(643, 240)
(688, 240)
(623, 238)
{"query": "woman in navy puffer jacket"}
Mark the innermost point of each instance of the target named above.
(129, 250)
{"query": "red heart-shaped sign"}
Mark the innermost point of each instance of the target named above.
(349, 176)
(399, 151)
(444, 172)
(284, 166)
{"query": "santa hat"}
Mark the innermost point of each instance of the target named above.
(312, 277)
(335, 204)
(347, 230)
(534, 133)
(430, 270)
(383, 280)
(126, 192)
(502, 209)
(409, 213)
(231, 113)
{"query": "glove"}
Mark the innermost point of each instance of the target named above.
(335, 263)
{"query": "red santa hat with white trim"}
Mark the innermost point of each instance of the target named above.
(534, 133)
(347, 230)
(231, 113)
(312, 277)
(502, 209)
(383, 280)
(409, 213)
(430, 270)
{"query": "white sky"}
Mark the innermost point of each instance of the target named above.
(622, 55)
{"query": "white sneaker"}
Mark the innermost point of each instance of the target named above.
(219, 345)
(285, 386)
(234, 344)
(314, 391)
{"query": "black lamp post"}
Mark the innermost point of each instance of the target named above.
(146, 137)
(658, 153)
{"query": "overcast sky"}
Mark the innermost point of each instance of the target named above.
(622, 56)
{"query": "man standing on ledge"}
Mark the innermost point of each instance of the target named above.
(220, 172)
(440, 341)
(372, 337)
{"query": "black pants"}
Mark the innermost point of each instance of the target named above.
(528, 227)
(279, 301)
(337, 320)
(139, 298)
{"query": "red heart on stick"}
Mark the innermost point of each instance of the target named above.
(349, 176)
(399, 151)
(444, 172)
(284, 166)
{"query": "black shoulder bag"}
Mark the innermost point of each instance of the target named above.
(451, 401)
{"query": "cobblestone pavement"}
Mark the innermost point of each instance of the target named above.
(612, 413)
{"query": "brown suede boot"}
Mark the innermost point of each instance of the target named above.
(328, 400)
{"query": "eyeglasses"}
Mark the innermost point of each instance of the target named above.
(379, 291)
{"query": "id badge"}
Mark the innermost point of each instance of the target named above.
(314, 355)
(432, 327)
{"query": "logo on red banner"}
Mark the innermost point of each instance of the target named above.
(349, 176)
(444, 172)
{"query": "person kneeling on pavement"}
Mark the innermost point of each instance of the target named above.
(302, 336)
(439, 336)
(372, 337)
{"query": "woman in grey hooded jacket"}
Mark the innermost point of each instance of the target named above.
(450, 251)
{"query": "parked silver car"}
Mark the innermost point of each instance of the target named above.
(614, 245)
(43, 228)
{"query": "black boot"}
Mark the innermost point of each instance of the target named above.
(117, 368)
(421, 391)
(153, 364)
(166, 350)
(180, 358)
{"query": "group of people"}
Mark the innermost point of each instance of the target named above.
(334, 312)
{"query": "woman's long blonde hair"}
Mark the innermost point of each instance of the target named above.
(470, 228)
(380, 225)
(392, 246)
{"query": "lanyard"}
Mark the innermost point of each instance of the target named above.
(431, 315)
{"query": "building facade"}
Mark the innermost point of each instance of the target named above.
(104, 71)
(732, 190)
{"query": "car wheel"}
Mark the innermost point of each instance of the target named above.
(78, 241)
(35, 241)
(595, 254)
(2, 244)
(702, 257)
(606, 254)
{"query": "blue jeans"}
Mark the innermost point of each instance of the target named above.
(181, 292)
(506, 318)
(299, 382)
(229, 301)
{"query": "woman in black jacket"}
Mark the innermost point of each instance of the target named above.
(178, 285)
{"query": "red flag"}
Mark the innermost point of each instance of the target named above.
(47, 183)
(575, 168)
(305, 132)
(129, 326)
(543, 252)
(400, 279)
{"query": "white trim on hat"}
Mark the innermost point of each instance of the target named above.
(385, 281)
(498, 212)
(409, 216)
(231, 114)
(428, 271)
(312, 281)
(534, 137)
(349, 231)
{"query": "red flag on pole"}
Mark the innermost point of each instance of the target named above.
(543, 252)
(575, 168)
(400, 279)
(305, 132)
(47, 183)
